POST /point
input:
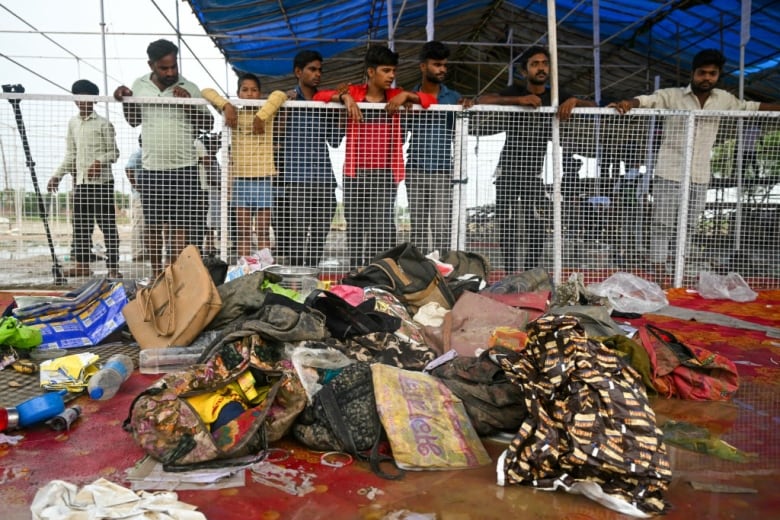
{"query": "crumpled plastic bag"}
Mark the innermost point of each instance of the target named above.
(626, 292)
(15, 334)
(730, 286)
(431, 315)
(71, 372)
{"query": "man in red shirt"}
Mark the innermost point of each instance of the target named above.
(374, 162)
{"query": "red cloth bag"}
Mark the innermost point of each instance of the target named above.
(687, 371)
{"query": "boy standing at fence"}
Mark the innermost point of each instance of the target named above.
(307, 198)
(90, 151)
(374, 162)
(252, 165)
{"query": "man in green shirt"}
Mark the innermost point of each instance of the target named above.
(168, 183)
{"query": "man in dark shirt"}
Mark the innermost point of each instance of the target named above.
(519, 169)
(307, 193)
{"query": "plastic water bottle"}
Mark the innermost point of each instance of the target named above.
(171, 359)
(105, 383)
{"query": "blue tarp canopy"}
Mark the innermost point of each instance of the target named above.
(639, 39)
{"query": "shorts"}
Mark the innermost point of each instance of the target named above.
(252, 193)
(171, 196)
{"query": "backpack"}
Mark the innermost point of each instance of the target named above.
(470, 271)
(687, 371)
(343, 417)
(164, 422)
(405, 272)
(492, 401)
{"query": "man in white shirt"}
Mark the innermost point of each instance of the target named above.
(90, 151)
(700, 94)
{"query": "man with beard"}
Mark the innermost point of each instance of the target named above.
(168, 183)
(700, 94)
(306, 196)
(429, 168)
(519, 185)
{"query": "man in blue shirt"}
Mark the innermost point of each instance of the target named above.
(429, 168)
(306, 195)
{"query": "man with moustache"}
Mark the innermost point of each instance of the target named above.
(700, 94)
(519, 185)
(429, 168)
(168, 183)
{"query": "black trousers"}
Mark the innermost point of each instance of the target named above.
(369, 209)
(94, 204)
(303, 212)
(519, 227)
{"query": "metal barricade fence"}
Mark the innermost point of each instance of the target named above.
(630, 193)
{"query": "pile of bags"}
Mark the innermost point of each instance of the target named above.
(405, 364)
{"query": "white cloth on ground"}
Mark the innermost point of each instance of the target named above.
(60, 500)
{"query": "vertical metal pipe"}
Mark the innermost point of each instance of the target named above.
(685, 197)
(459, 177)
(556, 143)
(390, 26)
(178, 36)
(510, 68)
(744, 38)
(429, 22)
(105, 61)
(597, 52)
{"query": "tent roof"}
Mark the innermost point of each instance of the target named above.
(640, 39)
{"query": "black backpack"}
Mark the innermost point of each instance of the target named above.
(405, 272)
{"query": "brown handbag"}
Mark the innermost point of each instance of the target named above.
(174, 309)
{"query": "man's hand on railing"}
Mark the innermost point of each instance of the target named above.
(624, 106)
(121, 92)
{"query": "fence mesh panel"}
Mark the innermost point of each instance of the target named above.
(318, 190)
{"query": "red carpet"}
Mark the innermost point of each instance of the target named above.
(97, 447)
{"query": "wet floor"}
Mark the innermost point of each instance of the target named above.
(736, 480)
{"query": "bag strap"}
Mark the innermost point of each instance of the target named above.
(376, 458)
(148, 306)
(336, 421)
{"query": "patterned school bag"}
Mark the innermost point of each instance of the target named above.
(166, 425)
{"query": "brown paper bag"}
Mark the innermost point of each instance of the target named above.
(174, 309)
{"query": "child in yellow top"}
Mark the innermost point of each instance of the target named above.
(251, 159)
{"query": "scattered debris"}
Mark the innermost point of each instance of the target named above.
(292, 481)
(370, 492)
(720, 488)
